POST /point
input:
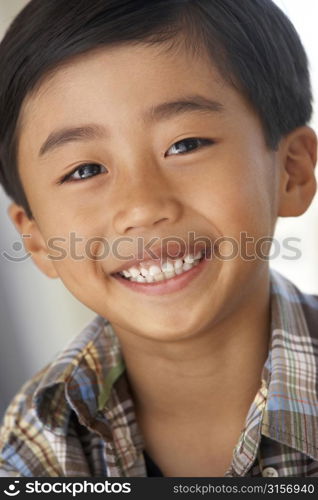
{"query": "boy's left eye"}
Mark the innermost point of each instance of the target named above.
(188, 145)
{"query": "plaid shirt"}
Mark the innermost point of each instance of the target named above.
(76, 417)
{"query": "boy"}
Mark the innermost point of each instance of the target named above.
(165, 136)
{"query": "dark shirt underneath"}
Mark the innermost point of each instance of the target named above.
(151, 468)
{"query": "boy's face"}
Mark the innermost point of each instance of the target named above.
(144, 186)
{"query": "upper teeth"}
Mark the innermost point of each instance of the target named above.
(158, 272)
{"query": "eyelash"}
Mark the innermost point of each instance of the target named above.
(192, 141)
(68, 177)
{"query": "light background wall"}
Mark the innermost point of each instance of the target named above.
(38, 315)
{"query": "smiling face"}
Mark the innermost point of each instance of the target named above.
(136, 142)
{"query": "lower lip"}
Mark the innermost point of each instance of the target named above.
(166, 286)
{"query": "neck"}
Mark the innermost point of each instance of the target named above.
(178, 380)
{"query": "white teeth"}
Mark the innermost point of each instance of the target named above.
(169, 274)
(144, 272)
(178, 264)
(186, 266)
(159, 277)
(167, 267)
(198, 255)
(189, 259)
(134, 272)
(153, 270)
(179, 270)
(141, 279)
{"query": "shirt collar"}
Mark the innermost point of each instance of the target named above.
(88, 378)
(291, 411)
(80, 379)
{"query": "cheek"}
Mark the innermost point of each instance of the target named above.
(236, 197)
(79, 251)
(83, 277)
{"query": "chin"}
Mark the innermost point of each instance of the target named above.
(168, 333)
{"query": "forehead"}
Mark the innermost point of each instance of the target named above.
(126, 70)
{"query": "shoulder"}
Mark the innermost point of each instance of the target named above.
(24, 449)
(37, 420)
(293, 309)
(309, 305)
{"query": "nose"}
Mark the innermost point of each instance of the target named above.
(145, 203)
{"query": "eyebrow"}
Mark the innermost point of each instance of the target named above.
(199, 103)
(162, 111)
(71, 134)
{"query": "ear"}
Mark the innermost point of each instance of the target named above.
(298, 152)
(32, 239)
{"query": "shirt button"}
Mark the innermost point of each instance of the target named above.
(269, 472)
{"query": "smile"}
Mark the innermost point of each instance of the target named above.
(165, 278)
(167, 270)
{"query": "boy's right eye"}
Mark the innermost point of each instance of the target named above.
(82, 172)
